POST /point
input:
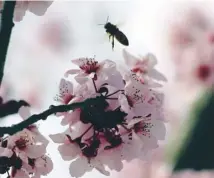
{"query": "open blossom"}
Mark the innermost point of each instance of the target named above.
(143, 67)
(121, 123)
(25, 152)
(37, 7)
(92, 69)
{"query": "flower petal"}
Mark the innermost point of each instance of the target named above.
(21, 174)
(24, 112)
(58, 138)
(130, 60)
(68, 151)
(158, 130)
(76, 171)
(151, 60)
(44, 165)
(39, 7)
(35, 151)
(157, 75)
(80, 79)
(6, 152)
(66, 87)
(71, 72)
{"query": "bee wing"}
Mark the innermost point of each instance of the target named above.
(121, 37)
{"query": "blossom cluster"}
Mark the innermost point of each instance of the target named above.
(23, 155)
(125, 121)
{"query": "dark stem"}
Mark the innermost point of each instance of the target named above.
(95, 86)
(11, 107)
(52, 110)
(36, 117)
(5, 33)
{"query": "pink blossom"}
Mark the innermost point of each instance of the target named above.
(39, 166)
(23, 154)
(193, 57)
(92, 69)
(123, 123)
(143, 66)
(24, 144)
(66, 93)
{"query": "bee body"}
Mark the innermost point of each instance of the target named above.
(114, 32)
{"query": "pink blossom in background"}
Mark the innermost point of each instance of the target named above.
(37, 7)
(156, 167)
(55, 34)
(191, 48)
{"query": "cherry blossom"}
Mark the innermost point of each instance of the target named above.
(40, 166)
(143, 66)
(25, 152)
(36, 7)
(92, 69)
(122, 124)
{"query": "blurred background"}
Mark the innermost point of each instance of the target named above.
(41, 49)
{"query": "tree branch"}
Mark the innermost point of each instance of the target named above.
(36, 117)
(5, 33)
(11, 107)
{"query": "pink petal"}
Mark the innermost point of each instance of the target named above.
(21, 174)
(23, 156)
(79, 61)
(39, 7)
(69, 151)
(157, 75)
(66, 87)
(76, 171)
(108, 65)
(134, 121)
(35, 151)
(148, 142)
(20, 10)
(99, 166)
(158, 130)
(124, 103)
(151, 60)
(24, 112)
(58, 138)
(44, 165)
(130, 60)
(6, 152)
(142, 109)
(80, 79)
(36, 175)
(71, 72)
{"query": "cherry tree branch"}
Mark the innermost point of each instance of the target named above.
(11, 107)
(5, 33)
(36, 117)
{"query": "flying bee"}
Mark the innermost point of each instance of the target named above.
(114, 32)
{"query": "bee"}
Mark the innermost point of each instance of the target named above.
(114, 32)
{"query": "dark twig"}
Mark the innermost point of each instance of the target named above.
(36, 117)
(11, 107)
(5, 33)
(52, 110)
